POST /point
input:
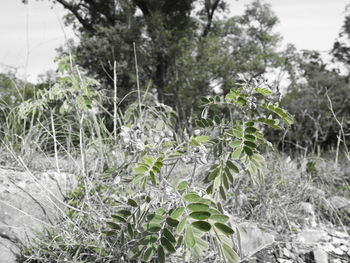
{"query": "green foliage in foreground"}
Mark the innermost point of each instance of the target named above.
(147, 214)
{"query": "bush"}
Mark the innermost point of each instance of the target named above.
(146, 206)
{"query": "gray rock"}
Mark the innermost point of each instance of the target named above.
(313, 236)
(254, 239)
(320, 255)
(339, 202)
(308, 212)
(27, 203)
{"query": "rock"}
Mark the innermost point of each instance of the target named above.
(328, 247)
(254, 240)
(339, 241)
(282, 260)
(287, 253)
(344, 248)
(313, 236)
(27, 203)
(320, 255)
(339, 202)
(338, 251)
(309, 217)
(339, 234)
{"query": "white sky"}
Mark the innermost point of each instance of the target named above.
(30, 33)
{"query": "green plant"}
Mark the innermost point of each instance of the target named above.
(187, 218)
(143, 210)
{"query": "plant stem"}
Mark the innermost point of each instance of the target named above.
(137, 81)
(115, 100)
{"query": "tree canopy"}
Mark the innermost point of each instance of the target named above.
(184, 48)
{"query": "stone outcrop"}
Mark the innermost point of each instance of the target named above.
(28, 202)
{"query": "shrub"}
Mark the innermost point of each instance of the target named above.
(144, 208)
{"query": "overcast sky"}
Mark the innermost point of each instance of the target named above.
(30, 33)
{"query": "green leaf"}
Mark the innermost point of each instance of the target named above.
(204, 100)
(217, 119)
(225, 181)
(149, 160)
(198, 207)
(182, 186)
(124, 213)
(230, 96)
(155, 169)
(147, 256)
(192, 197)
(222, 192)
(167, 245)
(249, 137)
(108, 233)
(149, 239)
(237, 153)
(194, 142)
(141, 169)
(224, 228)
(202, 225)
(138, 178)
(130, 231)
(177, 212)
(169, 236)
(153, 178)
(250, 144)
(202, 139)
(190, 240)
(217, 182)
(238, 133)
(161, 254)
(235, 144)
(250, 129)
(119, 219)
(172, 222)
(230, 254)
(153, 228)
(113, 225)
(232, 166)
(134, 252)
(248, 151)
(219, 218)
(252, 168)
(155, 218)
(260, 160)
(202, 244)
(241, 101)
(132, 203)
(200, 215)
(213, 174)
(160, 211)
(200, 124)
(229, 175)
(181, 225)
(263, 91)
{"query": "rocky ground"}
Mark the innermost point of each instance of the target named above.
(28, 202)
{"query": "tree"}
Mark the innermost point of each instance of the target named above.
(341, 47)
(182, 52)
(307, 101)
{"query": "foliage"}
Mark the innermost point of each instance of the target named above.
(146, 213)
(307, 101)
(184, 48)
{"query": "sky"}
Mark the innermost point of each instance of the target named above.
(29, 34)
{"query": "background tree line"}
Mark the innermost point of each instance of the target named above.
(191, 48)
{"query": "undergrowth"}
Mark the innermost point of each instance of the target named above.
(146, 193)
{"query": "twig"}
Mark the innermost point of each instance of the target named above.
(137, 81)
